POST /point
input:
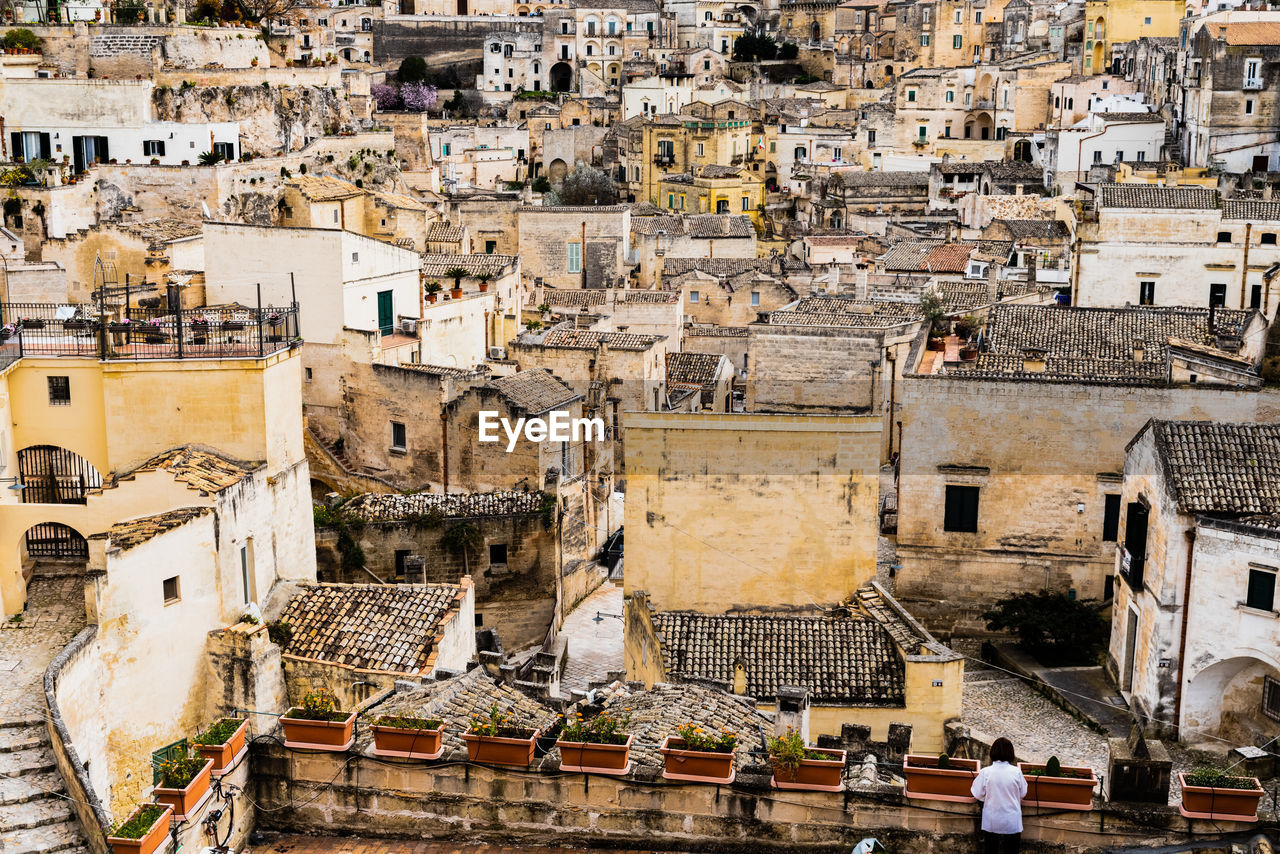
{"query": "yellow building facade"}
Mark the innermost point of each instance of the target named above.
(714, 189)
(1112, 22)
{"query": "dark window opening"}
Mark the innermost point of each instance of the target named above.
(1217, 295)
(400, 556)
(1111, 519)
(171, 591)
(1271, 698)
(498, 553)
(1135, 544)
(398, 437)
(1224, 237)
(59, 391)
(1146, 293)
(961, 512)
(1262, 589)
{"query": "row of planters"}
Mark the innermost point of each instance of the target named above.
(1206, 792)
(182, 788)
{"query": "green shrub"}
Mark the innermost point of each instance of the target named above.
(1055, 628)
(20, 37)
(219, 732)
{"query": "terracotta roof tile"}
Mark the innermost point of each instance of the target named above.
(1221, 469)
(134, 532)
(535, 391)
(394, 507)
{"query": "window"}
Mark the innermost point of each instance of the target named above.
(924, 40)
(1146, 293)
(59, 391)
(1111, 518)
(671, 201)
(1142, 157)
(755, 297)
(575, 257)
(398, 437)
(1217, 295)
(911, 96)
(1097, 157)
(401, 555)
(746, 203)
(1262, 588)
(957, 41)
(961, 512)
(1135, 544)
(693, 296)
(225, 150)
(924, 16)
(246, 572)
(950, 96)
(1268, 238)
(153, 148)
(1248, 107)
(1119, 156)
(1255, 297)
(498, 553)
(924, 132)
(171, 590)
(958, 15)
(977, 17)
(1224, 237)
(701, 150)
(490, 247)
(308, 370)
(1146, 21)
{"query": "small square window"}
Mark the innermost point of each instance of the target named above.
(755, 297)
(1262, 589)
(1268, 238)
(398, 436)
(1146, 22)
(308, 370)
(498, 553)
(59, 391)
(355, 257)
(172, 592)
(693, 296)
(479, 620)
(961, 511)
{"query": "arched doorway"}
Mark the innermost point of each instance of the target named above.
(561, 77)
(53, 475)
(1225, 699)
(815, 32)
(1022, 151)
(55, 541)
(771, 178)
(557, 170)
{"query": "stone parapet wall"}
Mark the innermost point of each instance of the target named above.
(350, 794)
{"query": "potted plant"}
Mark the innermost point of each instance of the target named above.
(318, 724)
(497, 739)
(121, 325)
(483, 279)
(223, 742)
(155, 331)
(6, 331)
(408, 737)
(75, 323)
(184, 783)
(799, 766)
(32, 323)
(693, 755)
(598, 745)
(1216, 795)
(455, 273)
(143, 831)
(433, 288)
(1058, 786)
(939, 778)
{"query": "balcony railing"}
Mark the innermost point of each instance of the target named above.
(664, 159)
(1252, 83)
(31, 329)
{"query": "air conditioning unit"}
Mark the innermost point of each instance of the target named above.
(497, 353)
(409, 327)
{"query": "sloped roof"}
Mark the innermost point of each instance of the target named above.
(693, 368)
(1251, 209)
(134, 532)
(849, 660)
(534, 391)
(444, 232)
(385, 628)
(394, 507)
(1246, 32)
(1155, 196)
(200, 470)
(1221, 468)
(323, 188)
(719, 226)
(588, 339)
(436, 264)
(1036, 229)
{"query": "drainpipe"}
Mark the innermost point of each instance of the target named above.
(444, 447)
(1244, 266)
(1182, 633)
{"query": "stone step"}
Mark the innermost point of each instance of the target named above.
(13, 739)
(23, 762)
(30, 787)
(65, 836)
(34, 814)
(22, 721)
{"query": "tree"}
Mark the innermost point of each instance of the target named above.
(413, 69)
(463, 537)
(934, 309)
(264, 10)
(209, 158)
(418, 97)
(586, 185)
(789, 50)
(541, 184)
(752, 47)
(20, 38)
(386, 96)
(1054, 628)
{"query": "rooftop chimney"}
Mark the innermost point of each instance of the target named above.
(1033, 360)
(1138, 349)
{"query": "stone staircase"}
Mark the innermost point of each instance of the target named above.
(35, 815)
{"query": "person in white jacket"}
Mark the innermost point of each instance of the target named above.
(1000, 787)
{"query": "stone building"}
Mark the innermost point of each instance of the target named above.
(575, 247)
(980, 516)
(1154, 245)
(727, 293)
(716, 190)
(880, 668)
(1108, 23)
(621, 311)
(311, 201)
(357, 639)
(699, 382)
(1194, 628)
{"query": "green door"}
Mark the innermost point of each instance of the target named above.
(386, 313)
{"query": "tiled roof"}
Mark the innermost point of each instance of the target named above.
(998, 170)
(657, 225)
(655, 297)
(1251, 209)
(930, 256)
(846, 312)
(573, 209)
(535, 391)
(134, 532)
(443, 370)
(436, 264)
(399, 200)
(1246, 32)
(317, 188)
(1036, 229)
(833, 240)
(1155, 196)
(850, 660)
(580, 298)
(1221, 468)
(444, 232)
(693, 368)
(1094, 344)
(707, 331)
(385, 628)
(961, 167)
(1131, 117)
(587, 339)
(394, 507)
(885, 179)
(204, 471)
(163, 229)
(719, 225)
(719, 267)
(715, 170)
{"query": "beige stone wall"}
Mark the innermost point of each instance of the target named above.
(742, 512)
(812, 369)
(545, 233)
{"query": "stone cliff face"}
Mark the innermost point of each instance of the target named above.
(272, 120)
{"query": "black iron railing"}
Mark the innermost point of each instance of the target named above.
(36, 329)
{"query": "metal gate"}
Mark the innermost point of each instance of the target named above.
(53, 539)
(53, 475)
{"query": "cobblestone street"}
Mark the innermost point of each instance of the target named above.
(595, 648)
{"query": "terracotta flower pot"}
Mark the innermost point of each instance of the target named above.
(695, 765)
(591, 758)
(484, 287)
(150, 841)
(926, 781)
(318, 735)
(1219, 804)
(1061, 793)
(815, 775)
(187, 800)
(408, 743)
(497, 750)
(455, 293)
(431, 298)
(224, 754)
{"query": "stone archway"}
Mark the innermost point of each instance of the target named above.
(556, 171)
(561, 77)
(1225, 700)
